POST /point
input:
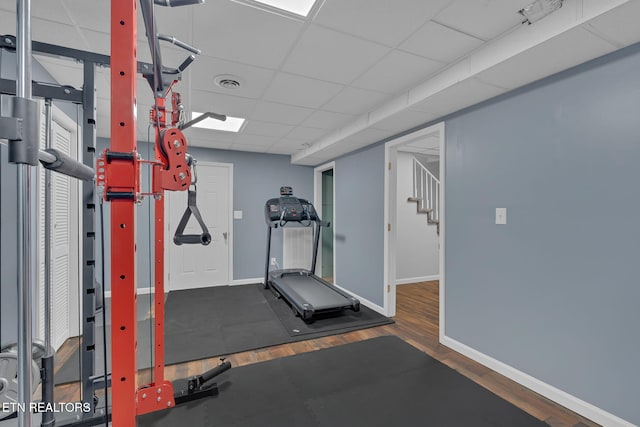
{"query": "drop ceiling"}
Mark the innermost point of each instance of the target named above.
(351, 74)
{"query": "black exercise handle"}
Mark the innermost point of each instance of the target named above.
(192, 239)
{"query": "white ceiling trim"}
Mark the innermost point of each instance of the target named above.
(573, 14)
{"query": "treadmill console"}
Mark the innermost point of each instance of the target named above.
(288, 208)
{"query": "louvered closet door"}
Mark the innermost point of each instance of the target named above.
(61, 235)
(60, 241)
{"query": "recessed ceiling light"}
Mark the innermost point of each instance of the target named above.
(232, 124)
(296, 7)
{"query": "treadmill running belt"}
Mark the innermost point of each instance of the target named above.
(308, 288)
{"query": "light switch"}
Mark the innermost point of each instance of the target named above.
(501, 216)
(237, 214)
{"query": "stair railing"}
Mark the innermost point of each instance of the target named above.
(426, 192)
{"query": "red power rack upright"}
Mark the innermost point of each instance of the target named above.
(121, 166)
(119, 176)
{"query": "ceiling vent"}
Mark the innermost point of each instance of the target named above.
(227, 81)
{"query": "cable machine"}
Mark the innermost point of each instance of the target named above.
(118, 177)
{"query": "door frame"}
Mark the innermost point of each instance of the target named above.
(317, 201)
(168, 237)
(390, 218)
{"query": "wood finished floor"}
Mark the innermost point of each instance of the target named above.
(416, 323)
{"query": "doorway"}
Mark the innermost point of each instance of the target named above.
(324, 185)
(405, 158)
(198, 266)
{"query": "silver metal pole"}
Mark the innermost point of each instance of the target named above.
(47, 235)
(25, 221)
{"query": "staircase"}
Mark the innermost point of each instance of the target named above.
(426, 193)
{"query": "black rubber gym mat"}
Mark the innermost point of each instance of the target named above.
(222, 320)
(202, 323)
(378, 382)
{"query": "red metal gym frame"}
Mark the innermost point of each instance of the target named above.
(121, 169)
(122, 177)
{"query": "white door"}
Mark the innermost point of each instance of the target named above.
(64, 280)
(198, 266)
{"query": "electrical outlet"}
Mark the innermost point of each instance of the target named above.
(274, 261)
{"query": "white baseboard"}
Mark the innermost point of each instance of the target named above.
(417, 279)
(141, 291)
(246, 281)
(364, 301)
(573, 403)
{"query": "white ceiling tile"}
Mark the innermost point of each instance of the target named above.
(484, 19)
(620, 25)
(249, 148)
(404, 120)
(97, 41)
(327, 119)
(255, 127)
(396, 72)
(458, 96)
(218, 143)
(50, 10)
(306, 133)
(235, 106)
(279, 113)
(254, 80)
(300, 91)
(8, 21)
(56, 33)
(255, 140)
(236, 32)
(567, 49)
(320, 50)
(354, 101)
(441, 43)
(168, 17)
(90, 14)
(384, 21)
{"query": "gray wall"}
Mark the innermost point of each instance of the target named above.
(256, 178)
(359, 223)
(555, 292)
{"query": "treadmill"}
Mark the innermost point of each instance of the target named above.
(306, 293)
